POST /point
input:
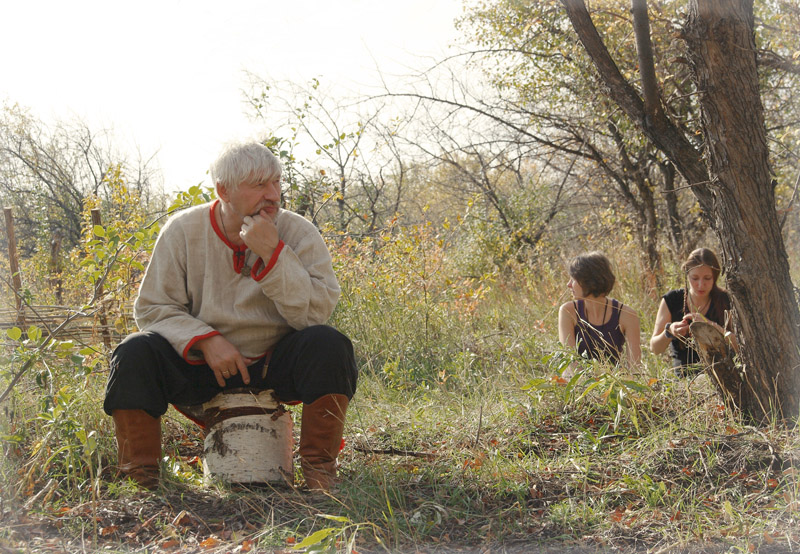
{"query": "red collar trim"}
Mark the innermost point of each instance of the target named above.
(238, 250)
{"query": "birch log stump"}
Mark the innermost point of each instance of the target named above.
(248, 439)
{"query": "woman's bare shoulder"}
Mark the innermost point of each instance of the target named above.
(625, 310)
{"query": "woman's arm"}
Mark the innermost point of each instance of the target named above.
(566, 324)
(629, 323)
(567, 318)
(660, 341)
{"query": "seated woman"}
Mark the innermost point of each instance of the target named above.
(705, 301)
(600, 327)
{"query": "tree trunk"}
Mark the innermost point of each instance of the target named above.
(673, 216)
(722, 50)
(650, 233)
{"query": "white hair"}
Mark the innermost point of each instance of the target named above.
(241, 162)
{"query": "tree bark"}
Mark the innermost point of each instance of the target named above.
(673, 216)
(647, 69)
(722, 51)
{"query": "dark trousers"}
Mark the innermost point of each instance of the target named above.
(147, 373)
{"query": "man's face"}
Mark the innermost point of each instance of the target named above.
(250, 198)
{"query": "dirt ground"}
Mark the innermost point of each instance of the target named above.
(187, 518)
(193, 520)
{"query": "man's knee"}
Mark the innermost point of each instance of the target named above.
(329, 342)
(325, 360)
(140, 350)
(136, 377)
(136, 344)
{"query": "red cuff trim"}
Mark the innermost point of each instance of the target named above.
(192, 343)
(257, 273)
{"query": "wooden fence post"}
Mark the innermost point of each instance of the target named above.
(13, 262)
(97, 220)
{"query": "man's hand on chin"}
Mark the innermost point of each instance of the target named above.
(260, 234)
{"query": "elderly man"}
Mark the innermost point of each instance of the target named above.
(236, 294)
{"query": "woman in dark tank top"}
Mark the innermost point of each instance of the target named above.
(705, 301)
(599, 327)
(603, 340)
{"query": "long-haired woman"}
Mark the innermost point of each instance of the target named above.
(701, 299)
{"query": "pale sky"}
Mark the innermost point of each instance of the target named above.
(168, 75)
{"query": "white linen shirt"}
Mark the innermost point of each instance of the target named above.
(192, 290)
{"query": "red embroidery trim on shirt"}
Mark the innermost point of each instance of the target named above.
(239, 252)
(195, 341)
(258, 273)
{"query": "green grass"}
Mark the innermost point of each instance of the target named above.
(494, 462)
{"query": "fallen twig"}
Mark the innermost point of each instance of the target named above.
(395, 452)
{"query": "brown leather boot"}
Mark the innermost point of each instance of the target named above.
(321, 438)
(138, 446)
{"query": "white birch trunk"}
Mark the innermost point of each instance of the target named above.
(249, 438)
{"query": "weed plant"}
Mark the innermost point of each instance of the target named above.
(463, 432)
